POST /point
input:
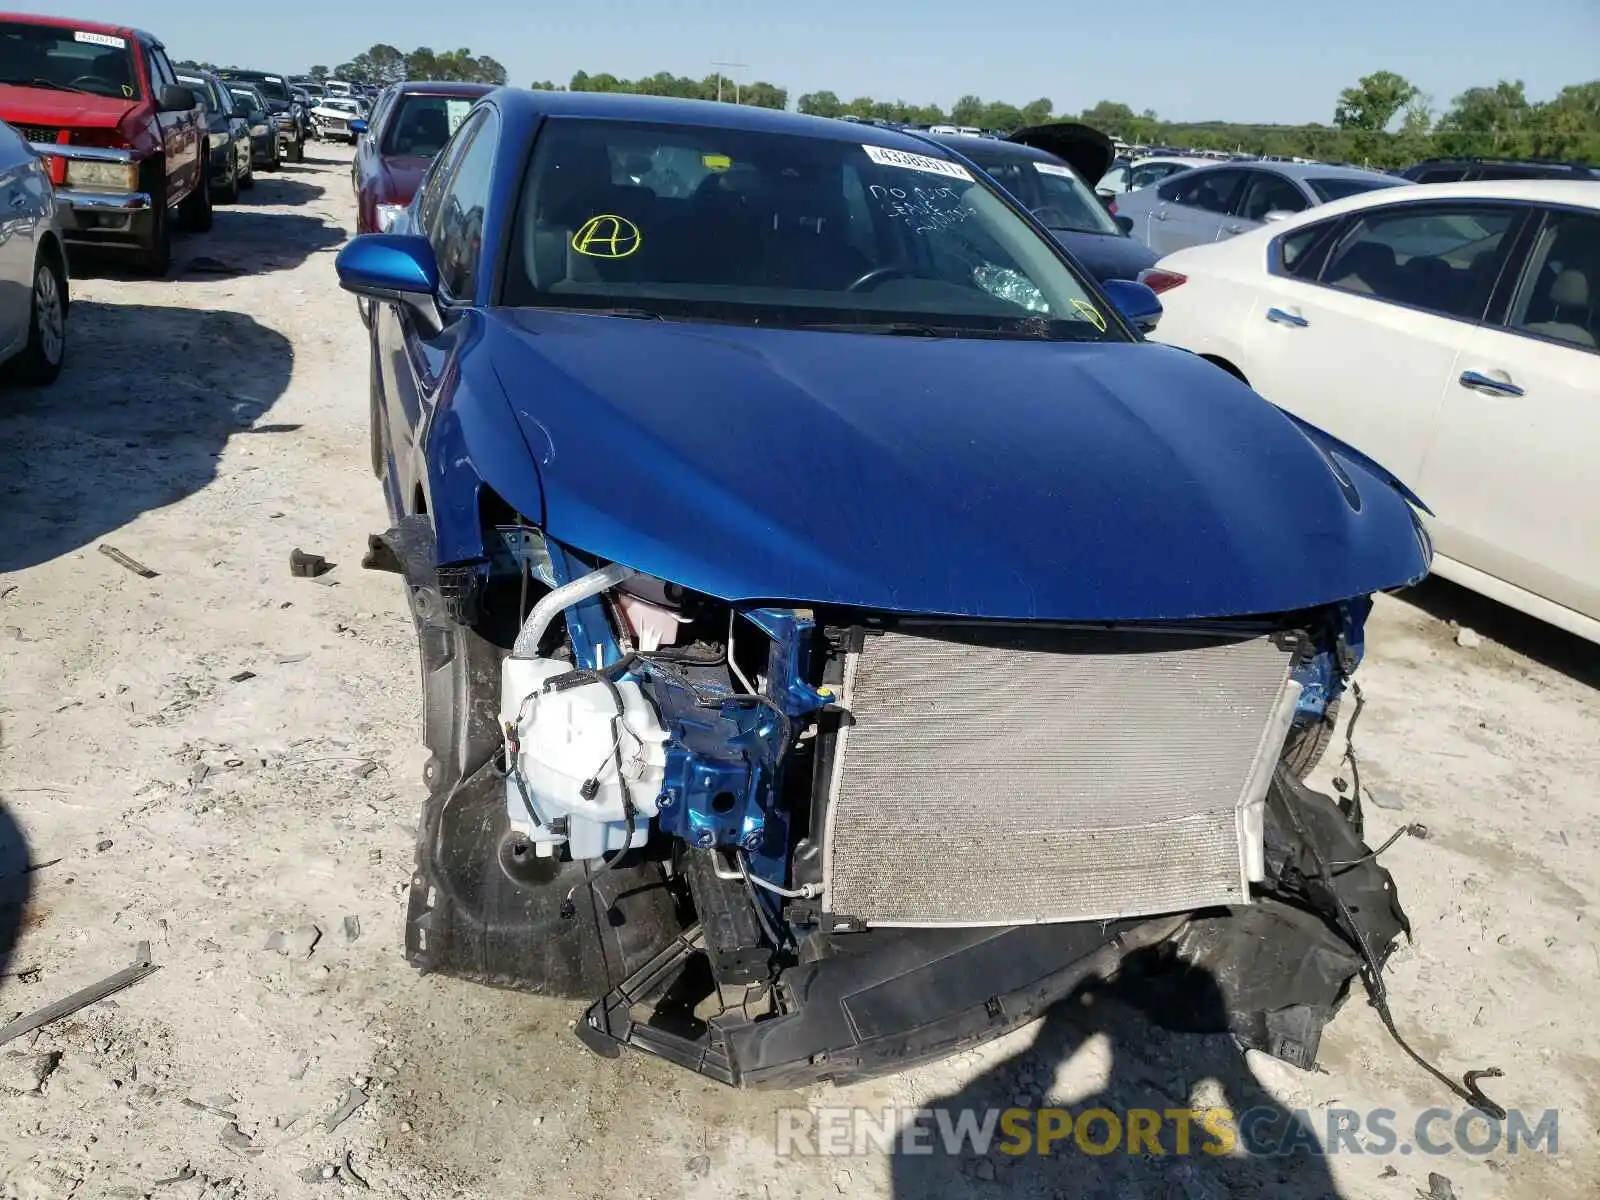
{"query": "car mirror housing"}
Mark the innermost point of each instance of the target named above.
(398, 269)
(177, 98)
(1124, 223)
(1138, 304)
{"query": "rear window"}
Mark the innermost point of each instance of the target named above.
(1337, 187)
(273, 87)
(423, 124)
(63, 59)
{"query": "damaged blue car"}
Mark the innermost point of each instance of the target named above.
(842, 633)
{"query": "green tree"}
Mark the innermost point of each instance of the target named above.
(1374, 101)
(1485, 120)
(967, 111)
(319, 73)
(1037, 112)
(820, 104)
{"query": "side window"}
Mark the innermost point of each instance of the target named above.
(1443, 258)
(1268, 192)
(1210, 191)
(1559, 296)
(438, 179)
(1150, 173)
(161, 72)
(458, 239)
(1442, 175)
(1296, 251)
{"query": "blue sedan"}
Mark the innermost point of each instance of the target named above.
(825, 593)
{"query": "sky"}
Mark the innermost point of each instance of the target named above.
(1233, 60)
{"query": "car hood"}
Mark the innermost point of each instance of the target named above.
(1087, 151)
(43, 106)
(1001, 479)
(1106, 255)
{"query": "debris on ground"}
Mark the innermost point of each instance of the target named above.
(26, 1072)
(83, 997)
(241, 676)
(1439, 1188)
(307, 566)
(352, 1099)
(123, 560)
(352, 928)
(223, 1110)
(1468, 639)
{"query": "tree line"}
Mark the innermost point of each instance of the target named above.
(1383, 119)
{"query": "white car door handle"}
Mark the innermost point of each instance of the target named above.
(1478, 381)
(1287, 318)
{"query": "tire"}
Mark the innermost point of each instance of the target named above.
(41, 360)
(195, 213)
(1308, 741)
(230, 190)
(155, 257)
(248, 179)
(298, 154)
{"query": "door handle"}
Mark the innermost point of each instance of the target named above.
(19, 200)
(1488, 383)
(1287, 318)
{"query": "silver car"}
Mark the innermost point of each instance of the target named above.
(1212, 204)
(33, 266)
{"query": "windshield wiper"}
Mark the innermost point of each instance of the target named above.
(634, 314)
(888, 328)
(48, 83)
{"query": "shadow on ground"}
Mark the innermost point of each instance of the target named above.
(275, 187)
(13, 887)
(148, 400)
(1153, 1077)
(1557, 649)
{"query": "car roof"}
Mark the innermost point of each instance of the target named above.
(1172, 158)
(620, 106)
(441, 87)
(126, 31)
(1303, 171)
(979, 147)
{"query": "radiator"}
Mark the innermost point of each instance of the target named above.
(1000, 775)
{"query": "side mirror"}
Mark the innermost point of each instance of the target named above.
(399, 269)
(1124, 223)
(176, 98)
(1277, 214)
(1137, 303)
(358, 126)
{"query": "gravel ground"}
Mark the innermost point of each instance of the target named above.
(221, 761)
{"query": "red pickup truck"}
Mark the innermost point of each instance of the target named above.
(125, 142)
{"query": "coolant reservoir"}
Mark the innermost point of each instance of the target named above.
(569, 737)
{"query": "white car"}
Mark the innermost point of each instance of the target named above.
(333, 117)
(1451, 332)
(1142, 172)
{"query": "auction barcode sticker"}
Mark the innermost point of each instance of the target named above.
(100, 39)
(1045, 168)
(886, 157)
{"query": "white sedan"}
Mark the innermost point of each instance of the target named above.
(1451, 332)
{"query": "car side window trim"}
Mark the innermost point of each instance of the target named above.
(481, 123)
(1512, 245)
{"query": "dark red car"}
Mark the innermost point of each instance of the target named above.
(126, 143)
(410, 125)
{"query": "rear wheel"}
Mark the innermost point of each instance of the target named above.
(247, 180)
(229, 193)
(297, 152)
(40, 361)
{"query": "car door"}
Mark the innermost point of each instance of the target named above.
(19, 211)
(179, 130)
(413, 362)
(1265, 191)
(1511, 473)
(1191, 208)
(1364, 346)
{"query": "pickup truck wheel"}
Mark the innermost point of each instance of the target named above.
(40, 362)
(155, 256)
(195, 212)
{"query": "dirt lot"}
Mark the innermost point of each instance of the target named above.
(221, 761)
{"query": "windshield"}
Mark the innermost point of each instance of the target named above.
(1336, 188)
(423, 124)
(272, 87)
(1050, 190)
(778, 229)
(252, 99)
(201, 89)
(67, 60)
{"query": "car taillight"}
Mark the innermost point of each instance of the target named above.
(1159, 281)
(1111, 207)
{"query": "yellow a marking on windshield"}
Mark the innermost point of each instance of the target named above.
(607, 236)
(1090, 314)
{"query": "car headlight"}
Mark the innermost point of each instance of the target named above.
(388, 214)
(103, 176)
